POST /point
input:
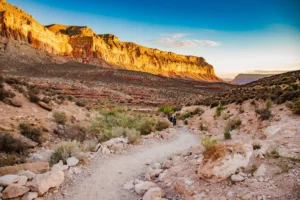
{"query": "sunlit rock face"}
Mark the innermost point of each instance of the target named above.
(84, 45)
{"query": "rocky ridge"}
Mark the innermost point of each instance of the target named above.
(81, 44)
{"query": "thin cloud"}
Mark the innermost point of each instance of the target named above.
(177, 41)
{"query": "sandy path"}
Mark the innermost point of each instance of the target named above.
(104, 178)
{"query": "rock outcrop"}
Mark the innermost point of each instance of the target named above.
(221, 161)
(82, 44)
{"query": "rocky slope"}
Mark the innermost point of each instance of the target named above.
(83, 45)
(248, 78)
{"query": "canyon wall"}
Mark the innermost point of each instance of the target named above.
(83, 45)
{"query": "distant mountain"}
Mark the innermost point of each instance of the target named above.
(81, 44)
(248, 78)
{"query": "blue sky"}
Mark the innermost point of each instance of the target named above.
(234, 35)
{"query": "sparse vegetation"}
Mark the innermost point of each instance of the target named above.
(185, 122)
(256, 146)
(60, 117)
(65, 150)
(9, 144)
(146, 127)
(167, 110)
(227, 134)
(233, 124)
(272, 152)
(161, 125)
(264, 114)
(81, 103)
(203, 127)
(296, 107)
(219, 110)
(197, 111)
(32, 132)
(208, 142)
(76, 132)
(33, 94)
(132, 135)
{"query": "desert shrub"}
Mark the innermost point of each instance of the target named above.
(207, 142)
(296, 107)
(268, 104)
(76, 132)
(161, 125)
(185, 115)
(33, 94)
(253, 103)
(89, 145)
(12, 81)
(60, 117)
(256, 146)
(71, 98)
(118, 131)
(1, 80)
(272, 152)
(9, 144)
(146, 127)
(233, 124)
(227, 134)
(81, 103)
(177, 108)
(167, 110)
(185, 122)
(214, 104)
(295, 86)
(9, 159)
(289, 104)
(32, 132)
(264, 114)
(3, 94)
(203, 127)
(132, 135)
(65, 150)
(285, 78)
(241, 110)
(197, 111)
(219, 110)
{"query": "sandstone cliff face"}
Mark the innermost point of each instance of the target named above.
(84, 45)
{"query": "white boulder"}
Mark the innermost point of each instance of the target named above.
(153, 193)
(142, 187)
(73, 161)
(260, 171)
(9, 179)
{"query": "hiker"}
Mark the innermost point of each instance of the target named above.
(170, 118)
(174, 121)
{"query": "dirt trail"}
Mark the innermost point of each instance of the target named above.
(104, 178)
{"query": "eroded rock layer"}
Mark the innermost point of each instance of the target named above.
(82, 44)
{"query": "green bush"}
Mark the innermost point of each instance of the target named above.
(219, 110)
(33, 95)
(214, 104)
(60, 117)
(295, 86)
(9, 144)
(65, 150)
(227, 134)
(161, 125)
(146, 127)
(264, 114)
(31, 132)
(132, 135)
(81, 103)
(167, 110)
(185, 115)
(197, 111)
(9, 159)
(207, 142)
(296, 107)
(233, 124)
(203, 127)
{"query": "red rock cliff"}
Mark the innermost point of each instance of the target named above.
(84, 45)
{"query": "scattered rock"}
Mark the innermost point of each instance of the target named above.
(237, 178)
(43, 182)
(75, 170)
(142, 187)
(129, 185)
(189, 181)
(30, 175)
(13, 102)
(9, 179)
(1, 188)
(155, 173)
(30, 196)
(221, 161)
(14, 190)
(71, 162)
(167, 164)
(45, 106)
(260, 171)
(153, 193)
(23, 180)
(157, 166)
(36, 167)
